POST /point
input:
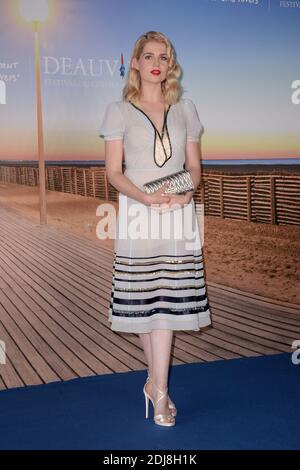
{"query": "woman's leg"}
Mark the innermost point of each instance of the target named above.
(161, 342)
(146, 343)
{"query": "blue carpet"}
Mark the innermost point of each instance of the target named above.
(250, 403)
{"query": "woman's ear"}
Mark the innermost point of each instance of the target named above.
(135, 64)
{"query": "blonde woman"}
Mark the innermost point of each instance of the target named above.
(158, 282)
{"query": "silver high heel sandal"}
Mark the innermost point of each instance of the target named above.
(160, 419)
(171, 403)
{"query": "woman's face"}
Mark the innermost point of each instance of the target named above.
(154, 57)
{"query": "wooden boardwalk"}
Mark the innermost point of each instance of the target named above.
(55, 289)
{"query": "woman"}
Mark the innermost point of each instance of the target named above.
(158, 283)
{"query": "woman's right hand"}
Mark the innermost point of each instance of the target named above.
(157, 197)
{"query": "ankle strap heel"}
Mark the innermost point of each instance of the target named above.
(163, 419)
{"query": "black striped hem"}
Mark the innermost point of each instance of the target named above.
(157, 278)
(152, 289)
(160, 298)
(154, 311)
(175, 271)
(193, 259)
(194, 254)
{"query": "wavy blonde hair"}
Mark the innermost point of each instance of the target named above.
(171, 87)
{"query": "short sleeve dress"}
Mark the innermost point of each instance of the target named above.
(158, 277)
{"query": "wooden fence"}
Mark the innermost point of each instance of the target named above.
(273, 199)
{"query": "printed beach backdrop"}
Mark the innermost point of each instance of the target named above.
(240, 67)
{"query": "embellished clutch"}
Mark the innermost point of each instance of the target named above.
(179, 183)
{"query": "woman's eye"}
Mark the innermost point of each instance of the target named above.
(149, 57)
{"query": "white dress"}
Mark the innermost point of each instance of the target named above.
(158, 279)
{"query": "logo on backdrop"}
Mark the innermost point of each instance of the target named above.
(67, 71)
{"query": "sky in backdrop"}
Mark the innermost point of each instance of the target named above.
(240, 62)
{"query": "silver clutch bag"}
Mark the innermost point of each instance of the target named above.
(179, 183)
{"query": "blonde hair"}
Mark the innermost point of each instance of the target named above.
(171, 87)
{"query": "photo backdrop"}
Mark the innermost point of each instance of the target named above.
(240, 65)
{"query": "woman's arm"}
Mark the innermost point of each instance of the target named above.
(192, 165)
(113, 164)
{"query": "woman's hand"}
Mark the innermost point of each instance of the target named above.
(157, 197)
(175, 201)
